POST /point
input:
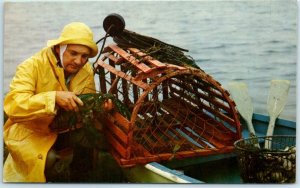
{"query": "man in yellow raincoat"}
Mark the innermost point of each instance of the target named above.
(49, 80)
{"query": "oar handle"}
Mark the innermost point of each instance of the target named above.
(271, 126)
(270, 132)
(250, 127)
(252, 133)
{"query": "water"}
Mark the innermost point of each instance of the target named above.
(250, 41)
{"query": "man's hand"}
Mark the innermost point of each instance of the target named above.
(68, 100)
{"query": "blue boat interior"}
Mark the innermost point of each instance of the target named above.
(223, 168)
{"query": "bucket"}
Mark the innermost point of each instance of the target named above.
(274, 165)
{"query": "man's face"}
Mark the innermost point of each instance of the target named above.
(75, 57)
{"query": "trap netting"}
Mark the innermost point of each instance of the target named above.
(176, 111)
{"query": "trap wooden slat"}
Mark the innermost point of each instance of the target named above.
(130, 58)
(200, 95)
(121, 135)
(122, 151)
(147, 58)
(199, 140)
(102, 79)
(122, 75)
(121, 121)
(208, 131)
(210, 109)
(113, 58)
(208, 88)
(197, 116)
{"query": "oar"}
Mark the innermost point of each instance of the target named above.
(276, 101)
(239, 93)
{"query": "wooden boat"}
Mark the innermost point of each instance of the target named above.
(175, 109)
(220, 168)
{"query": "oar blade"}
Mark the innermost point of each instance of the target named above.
(239, 93)
(277, 98)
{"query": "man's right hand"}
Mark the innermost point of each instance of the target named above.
(68, 100)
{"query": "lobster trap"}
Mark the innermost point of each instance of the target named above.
(176, 111)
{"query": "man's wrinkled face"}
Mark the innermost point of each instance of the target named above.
(75, 57)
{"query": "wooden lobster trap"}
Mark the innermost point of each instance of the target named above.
(176, 111)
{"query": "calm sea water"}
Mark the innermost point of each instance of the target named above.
(253, 41)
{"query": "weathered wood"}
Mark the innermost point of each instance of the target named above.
(122, 136)
(102, 79)
(120, 120)
(147, 58)
(131, 59)
(204, 106)
(123, 75)
(122, 151)
(200, 95)
(199, 123)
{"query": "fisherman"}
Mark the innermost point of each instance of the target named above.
(48, 81)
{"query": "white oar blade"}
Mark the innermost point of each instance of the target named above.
(276, 101)
(277, 96)
(239, 93)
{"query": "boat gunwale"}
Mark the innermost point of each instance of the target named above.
(279, 121)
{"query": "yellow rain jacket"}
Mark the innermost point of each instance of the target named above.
(30, 106)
